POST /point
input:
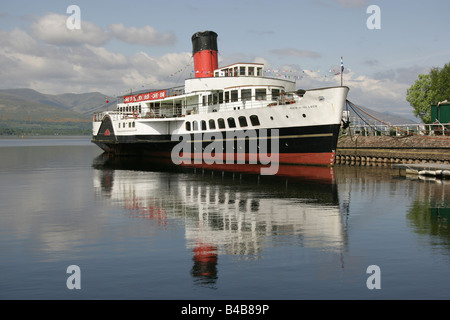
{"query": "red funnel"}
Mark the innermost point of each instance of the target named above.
(204, 49)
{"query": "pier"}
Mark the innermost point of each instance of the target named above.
(410, 149)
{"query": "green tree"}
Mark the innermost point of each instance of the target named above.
(419, 97)
(429, 89)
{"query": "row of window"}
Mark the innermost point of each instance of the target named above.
(239, 71)
(130, 109)
(232, 96)
(242, 121)
(130, 125)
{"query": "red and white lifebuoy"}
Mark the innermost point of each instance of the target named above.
(135, 114)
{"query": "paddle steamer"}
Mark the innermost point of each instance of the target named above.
(236, 103)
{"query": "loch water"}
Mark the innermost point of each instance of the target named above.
(138, 231)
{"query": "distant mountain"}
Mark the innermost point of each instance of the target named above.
(31, 112)
(385, 117)
(84, 103)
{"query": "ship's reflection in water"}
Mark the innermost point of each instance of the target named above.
(228, 212)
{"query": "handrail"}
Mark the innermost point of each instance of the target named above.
(201, 108)
(428, 129)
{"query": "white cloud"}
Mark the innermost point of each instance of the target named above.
(147, 35)
(296, 53)
(50, 67)
(50, 58)
(383, 95)
(52, 29)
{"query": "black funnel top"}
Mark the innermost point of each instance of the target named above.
(205, 40)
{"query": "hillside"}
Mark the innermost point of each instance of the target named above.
(26, 111)
(84, 103)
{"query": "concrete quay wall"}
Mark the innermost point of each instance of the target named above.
(393, 149)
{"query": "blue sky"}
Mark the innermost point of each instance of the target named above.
(133, 44)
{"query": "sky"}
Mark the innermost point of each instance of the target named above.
(120, 46)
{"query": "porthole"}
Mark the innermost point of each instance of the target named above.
(231, 122)
(254, 120)
(243, 121)
(221, 123)
(304, 115)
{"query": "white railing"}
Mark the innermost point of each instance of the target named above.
(433, 129)
(200, 108)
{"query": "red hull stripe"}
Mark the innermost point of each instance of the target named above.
(313, 173)
(322, 159)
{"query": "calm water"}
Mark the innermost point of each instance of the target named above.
(141, 233)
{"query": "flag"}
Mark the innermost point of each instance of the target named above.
(342, 65)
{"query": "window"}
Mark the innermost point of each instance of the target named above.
(204, 100)
(203, 125)
(260, 94)
(251, 71)
(221, 123)
(235, 71)
(215, 98)
(210, 100)
(231, 123)
(254, 120)
(227, 96)
(212, 124)
(260, 72)
(220, 97)
(195, 125)
(275, 94)
(242, 71)
(246, 94)
(243, 121)
(234, 95)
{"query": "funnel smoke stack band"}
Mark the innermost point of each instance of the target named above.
(204, 49)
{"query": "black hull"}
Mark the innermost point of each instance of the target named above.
(314, 145)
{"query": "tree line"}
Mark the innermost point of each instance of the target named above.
(429, 89)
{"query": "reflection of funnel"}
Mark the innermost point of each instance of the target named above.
(204, 49)
(205, 263)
